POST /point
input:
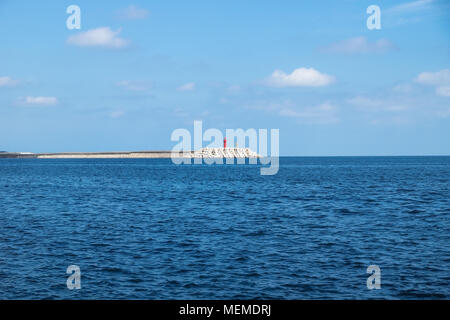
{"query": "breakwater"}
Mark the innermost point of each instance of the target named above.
(17, 155)
(202, 153)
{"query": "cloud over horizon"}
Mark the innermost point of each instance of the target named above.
(187, 87)
(439, 79)
(8, 82)
(359, 45)
(39, 101)
(134, 13)
(99, 37)
(134, 85)
(116, 114)
(301, 77)
(408, 6)
(373, 105)
(325, 113)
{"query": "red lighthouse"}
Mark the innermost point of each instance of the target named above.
(224, 143)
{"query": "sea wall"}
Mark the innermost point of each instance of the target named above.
(202, 153)
(17, 155)
(106, 155)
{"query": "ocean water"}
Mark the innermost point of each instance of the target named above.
(148, 229)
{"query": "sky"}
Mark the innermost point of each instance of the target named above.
(136, 71)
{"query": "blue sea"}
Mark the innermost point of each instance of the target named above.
(149, 229)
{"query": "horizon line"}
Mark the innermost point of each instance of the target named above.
(170, 151)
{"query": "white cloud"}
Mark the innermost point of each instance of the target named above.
(403, 88)
(323, 113)
(443, 91)
(301, 77)
(180, 112)
(233, 89)
(134, 85)
(100, 37)
(134, 13)
(8, 82)
(408, 13)
(434, 78)
(187, 87)
(116, 114)
(409, 6)
(445, 113)
(371, 105)
(439, 79)
(39, 101)
(359, 45)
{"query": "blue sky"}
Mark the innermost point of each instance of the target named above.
(136, 71)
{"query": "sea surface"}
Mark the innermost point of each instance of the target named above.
(149, 229)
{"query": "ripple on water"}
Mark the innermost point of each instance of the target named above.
(143, 228)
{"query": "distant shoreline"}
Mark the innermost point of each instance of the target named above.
(202, 153)
(89, 155)
(153, 155)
